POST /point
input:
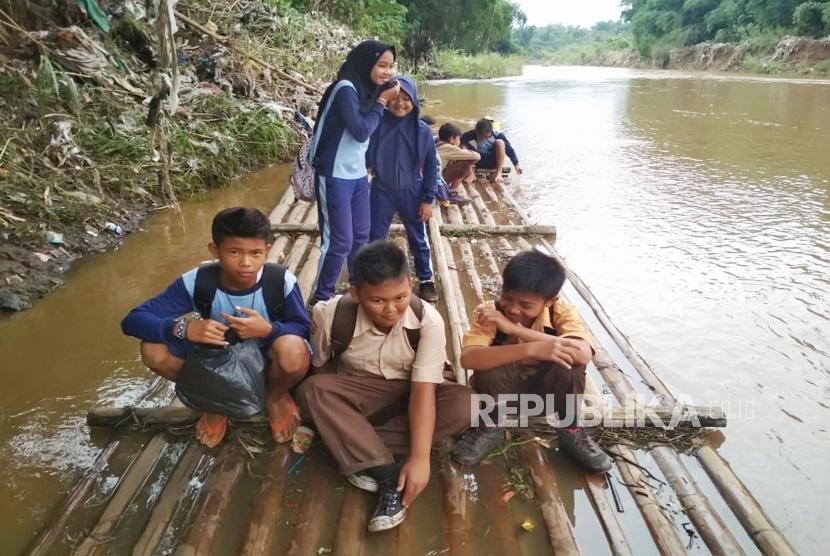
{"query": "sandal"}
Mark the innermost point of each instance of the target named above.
(211, 429)
(280, 428)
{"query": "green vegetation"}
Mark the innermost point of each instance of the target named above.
(560, 44)
(456, 64)
(659, 25)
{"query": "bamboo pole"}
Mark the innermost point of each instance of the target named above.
(708, 523)
(227, 42)
(484, 214)
(456, 522)
(351, 527)
(267, 510)
(130, 483)
(456, 285)
(216, 498)
(740, 500)
(560, 533)
(456, 227)
(167, 503)
(317, 498)
(54, 532)
(283, 207)
(490, 488)
(449, 299)
(663, 531)
(614, 532)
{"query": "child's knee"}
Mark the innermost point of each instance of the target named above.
(500, 144)
(157, 358)
(291, 354)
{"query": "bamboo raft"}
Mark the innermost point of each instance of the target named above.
(160, 492)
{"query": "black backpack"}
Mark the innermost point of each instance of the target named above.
(345, 319)
(273, 289)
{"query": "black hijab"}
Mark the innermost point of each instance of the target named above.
(358, 69)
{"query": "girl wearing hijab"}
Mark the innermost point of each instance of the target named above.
(349, 112)
(405, 168)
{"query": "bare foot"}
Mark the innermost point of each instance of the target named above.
(211, 428)
(283, 418)
(498, 179)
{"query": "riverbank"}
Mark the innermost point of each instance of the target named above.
(80, 168)
(790, 56)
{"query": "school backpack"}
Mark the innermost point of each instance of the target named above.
(273, 289)
(302, 174)
(345, 319)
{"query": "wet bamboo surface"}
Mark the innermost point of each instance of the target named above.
(163, 493)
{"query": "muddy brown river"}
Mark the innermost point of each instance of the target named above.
(695, 206)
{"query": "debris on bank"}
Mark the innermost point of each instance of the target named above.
(80, 82)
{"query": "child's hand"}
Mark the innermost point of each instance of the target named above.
(206, 331)
(519, 170)
(494, 318)
(413, 478)
(425, 212)
(250, 326)
(391, 93)
(562, 351)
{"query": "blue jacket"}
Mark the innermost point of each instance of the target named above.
(469, 136)
(402, 151)
(344, 134)
(152, 321)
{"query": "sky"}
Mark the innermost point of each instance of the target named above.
(569, 12)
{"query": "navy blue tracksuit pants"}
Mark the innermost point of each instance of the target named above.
(343, 212)
(385, 202)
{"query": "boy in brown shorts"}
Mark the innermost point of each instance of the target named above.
(378, 396)
(530, 342)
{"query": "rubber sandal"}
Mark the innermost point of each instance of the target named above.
(210, 431)
(280, 427)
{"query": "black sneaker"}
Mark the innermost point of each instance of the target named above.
(389, 511)
(477, 443)
(427, 292)
(581, 447)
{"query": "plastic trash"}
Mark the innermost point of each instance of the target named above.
(302, 440)
(54, 238)
(114, 228)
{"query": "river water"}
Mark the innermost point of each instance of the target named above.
(697, 208)
(694, 206)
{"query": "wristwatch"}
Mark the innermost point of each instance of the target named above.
(180, 330)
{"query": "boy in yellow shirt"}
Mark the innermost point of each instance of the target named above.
(530, 342)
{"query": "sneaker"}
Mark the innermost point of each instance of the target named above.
(389, 511)
(427, 292)
(584, 450)
(363, 482)
(477, 443)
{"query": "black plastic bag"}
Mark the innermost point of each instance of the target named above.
(228, 381)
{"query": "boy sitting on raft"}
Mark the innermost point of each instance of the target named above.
(457, 163)
(534, 343)
(241, 239)
(493, 147)
(377, 395)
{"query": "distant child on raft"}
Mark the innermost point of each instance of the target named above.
(241, 238)
(403, 161)
(493, 147)
(378, 396)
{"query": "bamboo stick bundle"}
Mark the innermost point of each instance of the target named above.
(560, 533)
(744, 505)
(167, 503)
(216, 497)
